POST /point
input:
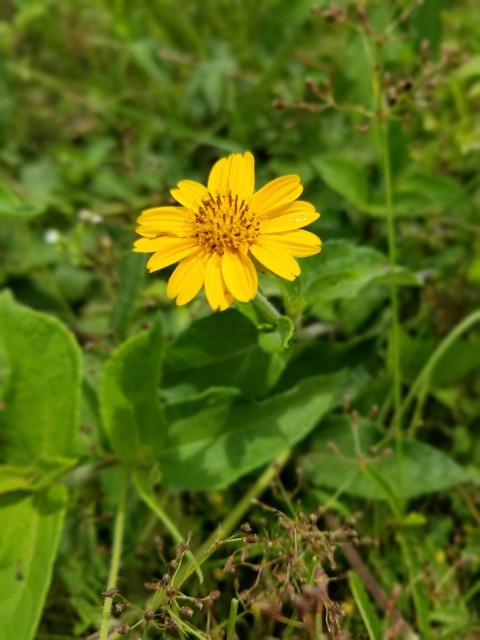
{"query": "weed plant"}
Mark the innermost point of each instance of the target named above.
(302, 467)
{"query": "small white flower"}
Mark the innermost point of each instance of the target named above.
(51, 236)
(85, 215)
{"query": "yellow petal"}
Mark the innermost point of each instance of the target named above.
(240, 275)
(235, 173)
(215, 289)
(275, 258)
(299, 206)
(276, 193)
(187, 279)
(163, 213)
(299, 243)
(168, 250)
(190, 193)
(289, 217)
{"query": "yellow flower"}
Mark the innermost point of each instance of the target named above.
(219, 230)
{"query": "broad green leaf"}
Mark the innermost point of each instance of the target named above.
(367, 611)
(41, 390)
(31, 527)
(344, 177)
(342, 270)
(223, 349)
(33, 478)
(424, 469)
(216, 437)
(129, 399)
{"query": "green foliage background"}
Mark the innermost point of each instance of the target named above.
(104, 384)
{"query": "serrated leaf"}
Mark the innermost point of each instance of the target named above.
(129, 401)
(216, 437)
(424, 469)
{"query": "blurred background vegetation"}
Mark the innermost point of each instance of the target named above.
(104, 106)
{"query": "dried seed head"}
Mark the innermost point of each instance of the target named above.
(170, 623)
(171, 593)
(186, 611)
(123, 629)
(214, 595)
(251, 539)
(245, 527)
(119, 607)
(198, 602)
(148, 614)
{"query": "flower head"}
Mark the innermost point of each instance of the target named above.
(221, 231)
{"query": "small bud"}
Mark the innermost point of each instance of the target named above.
(245, 527)
(251, 538)
(110, 593)
(170, 623)
(171, 593)
(123, 629)
(214, 595)
(148, 614)
(186, 611)
(198, 603)
(119, 607)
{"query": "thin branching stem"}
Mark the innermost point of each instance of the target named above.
(118, 532)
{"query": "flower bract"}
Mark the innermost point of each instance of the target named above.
(222, 233)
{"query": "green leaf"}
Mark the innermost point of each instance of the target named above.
(11, 206)
(31, 529)
(424, 469)
(129, 401)
(342, 270)
(223, 349)
(344, 177)
(369, 616)
(469, 69)
(218, 436)
(41, 388)
(132, 273)
(33, 478)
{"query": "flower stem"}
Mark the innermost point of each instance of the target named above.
(118, 532)
(266, 309)
(392, 252)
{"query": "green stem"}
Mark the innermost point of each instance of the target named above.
(232, 618)
(392, 252)
(267, 310)
(227, 526)
(237, 513)
(150, 500)
(420, 386)
(118, 532)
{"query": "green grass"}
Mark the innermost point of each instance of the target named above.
(226, 484)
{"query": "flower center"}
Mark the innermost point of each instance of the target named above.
(224, 222)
